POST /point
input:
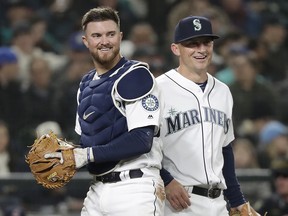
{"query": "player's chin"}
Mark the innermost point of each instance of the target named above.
(103, 58)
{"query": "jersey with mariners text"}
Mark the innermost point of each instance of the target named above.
(195, 125)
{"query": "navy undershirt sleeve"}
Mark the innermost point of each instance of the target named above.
(133, 143)
(233, 192)
(166, 176)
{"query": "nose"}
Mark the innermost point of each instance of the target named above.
(104, 40)
(201, 47)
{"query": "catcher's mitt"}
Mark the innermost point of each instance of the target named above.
(52, 172)
(246, 210)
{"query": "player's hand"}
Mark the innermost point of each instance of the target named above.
(244, 209)
(241, 206)
(55, 155)
(81, 155)
(177, 195)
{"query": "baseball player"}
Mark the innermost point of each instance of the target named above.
(197, 128)
(118, 117)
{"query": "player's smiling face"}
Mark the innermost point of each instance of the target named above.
(103, 41)
(194, 54)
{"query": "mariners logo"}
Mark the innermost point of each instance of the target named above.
(177, 121)
(197, 25)
(150, 102)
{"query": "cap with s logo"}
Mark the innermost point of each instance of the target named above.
(192, 27)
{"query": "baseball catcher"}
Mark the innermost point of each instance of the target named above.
(53, 161)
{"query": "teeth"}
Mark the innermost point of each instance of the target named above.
(105, 49)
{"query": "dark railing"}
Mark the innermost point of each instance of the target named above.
(23, 188)
(253, 175)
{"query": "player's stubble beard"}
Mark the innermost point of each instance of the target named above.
(106, 59)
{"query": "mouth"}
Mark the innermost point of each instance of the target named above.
(105, 49)
(202, 57)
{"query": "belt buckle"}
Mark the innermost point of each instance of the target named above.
(99, 178)
(113, 177)
(214, 192)
(109, 177)
(102, 178)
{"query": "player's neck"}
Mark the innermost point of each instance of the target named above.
(103, 68)
(200, 77)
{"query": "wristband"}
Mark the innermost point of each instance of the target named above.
(88, 155)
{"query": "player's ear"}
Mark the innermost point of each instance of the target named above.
(175, 49)
(85, 41)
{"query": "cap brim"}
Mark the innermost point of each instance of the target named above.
(213, 36)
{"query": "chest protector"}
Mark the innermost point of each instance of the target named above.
(99, 119)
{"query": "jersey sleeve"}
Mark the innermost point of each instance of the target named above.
(145, 111)
(77, 123)
(230, 135)
(229, 124)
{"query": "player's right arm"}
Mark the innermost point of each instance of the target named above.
(233, 191)
(176, 194)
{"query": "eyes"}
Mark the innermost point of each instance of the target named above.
(108, 34)
(196, 43)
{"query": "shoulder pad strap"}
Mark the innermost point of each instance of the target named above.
(135, 83)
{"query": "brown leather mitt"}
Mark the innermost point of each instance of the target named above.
(246, 210)
(51, 172)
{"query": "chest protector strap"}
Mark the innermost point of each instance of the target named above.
(136, 83)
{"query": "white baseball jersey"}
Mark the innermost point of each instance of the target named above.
(195, 127)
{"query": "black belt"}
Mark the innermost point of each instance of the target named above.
(212, 192)
(115, 176)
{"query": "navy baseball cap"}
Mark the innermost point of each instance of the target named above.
(7, 56)
(192, 27)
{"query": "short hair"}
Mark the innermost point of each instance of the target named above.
(100, 14)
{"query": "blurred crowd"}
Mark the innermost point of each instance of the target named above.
(42, 60)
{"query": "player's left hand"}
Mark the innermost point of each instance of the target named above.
(244, 209)
(54, 172)
(82, 156)
(177, 195)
